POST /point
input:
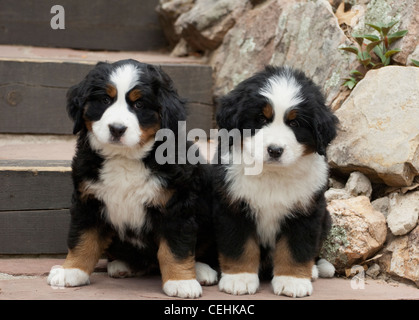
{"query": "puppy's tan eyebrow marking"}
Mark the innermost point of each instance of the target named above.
(268, 111)
(292, 114)
(134, 95)
(111, 90)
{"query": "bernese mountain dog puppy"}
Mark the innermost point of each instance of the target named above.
(272, 222)
(141, 213)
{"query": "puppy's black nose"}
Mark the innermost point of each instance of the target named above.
(117, 130)
(275, 151)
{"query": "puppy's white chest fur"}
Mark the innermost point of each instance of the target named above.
(277, 191)
(126, 187)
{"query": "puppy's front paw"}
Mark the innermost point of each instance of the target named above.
(119, 269)
(205, 274)
(292, 286)
(182, 288)
(326, 269)
(60, 277)
(240, 283)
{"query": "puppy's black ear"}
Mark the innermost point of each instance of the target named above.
(172, 106)
(77, 95)
(325, 123)
(75, 105)
(227, 115)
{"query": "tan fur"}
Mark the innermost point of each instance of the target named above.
(285, 265)
(171, 267)
(247, 262)
(148, 133)
(134, 95)
(111, 91)
(268, 111)
(87, 252)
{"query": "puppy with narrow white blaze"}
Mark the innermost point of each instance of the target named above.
(126, 205)
(274, 222)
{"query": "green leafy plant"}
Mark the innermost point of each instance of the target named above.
(375, 53)
(415, 62)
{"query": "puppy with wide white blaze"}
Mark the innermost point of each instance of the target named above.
(141, 214)
(273, 222)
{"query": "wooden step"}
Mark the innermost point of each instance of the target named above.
(94, 24)
(35, 193)
(34, 82)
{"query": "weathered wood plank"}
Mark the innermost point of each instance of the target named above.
(95, 24)
(35, 189)
(34, 232)
(200, 116)
(32, 94)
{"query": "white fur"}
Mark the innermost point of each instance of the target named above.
(119, 269)
(292, 286)
(124, 78)
(276, 134)
(283, 91)
(126, 186)
(183, 288)
(60, 277)
(325, 268)
(240, 283)
(205, 274)
(276, 191)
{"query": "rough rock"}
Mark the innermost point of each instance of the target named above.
(358, 232)
(303, 35)
(414, 55)
(381, 204)
(379, 117)
(401, 257)
(335, 183)
(336, 194)
(403, 212)
(358, 185)
(168, 12)
(204, 26)
(373, 271)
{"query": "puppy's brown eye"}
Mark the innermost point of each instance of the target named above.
(106, 100)
(294, 123)
(263, 119)
(137, 104)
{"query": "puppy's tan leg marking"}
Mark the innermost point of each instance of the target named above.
(87, 252)
(240, 275)
(247, 262)
(80, 262)
(171, 267)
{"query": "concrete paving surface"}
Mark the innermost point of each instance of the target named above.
(25, 279)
